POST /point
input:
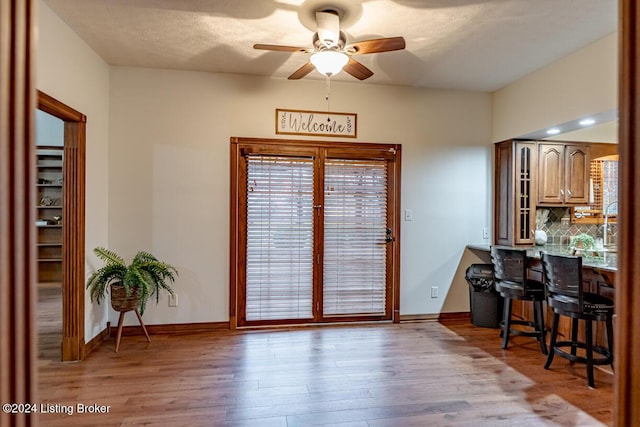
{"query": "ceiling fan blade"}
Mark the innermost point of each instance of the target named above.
(279, 48)
(376, 45)
(357, 70)
(302, 71)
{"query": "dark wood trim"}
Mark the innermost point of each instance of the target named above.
(52, 106)
(397, 215)
(239, 268)
(627, 325)
(73, 241)
(18, 290)
(318, 223)
(440, 317)
(171, 329)
(233, 234)
(73, 225)
(96, 341)
(450, 317)
(304, 143)
(404, 318)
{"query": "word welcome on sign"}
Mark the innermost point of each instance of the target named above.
(318, 123)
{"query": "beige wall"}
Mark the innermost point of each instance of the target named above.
(158, 159)
(169, 174)
(158, 174)
(71, 72)
(578, 85)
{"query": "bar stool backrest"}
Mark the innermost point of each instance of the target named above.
(510, 265)
(563, 278)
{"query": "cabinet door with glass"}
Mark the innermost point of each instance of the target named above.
(515, 190)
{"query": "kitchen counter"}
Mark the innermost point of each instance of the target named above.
(607, 262)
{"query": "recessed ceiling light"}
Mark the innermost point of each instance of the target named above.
(587, 122)
(553, 131)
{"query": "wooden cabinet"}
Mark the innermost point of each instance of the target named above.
(49, 213)
(563, 174)
(530, 174)
(514, 195)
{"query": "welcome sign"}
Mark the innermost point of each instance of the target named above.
(317, 123)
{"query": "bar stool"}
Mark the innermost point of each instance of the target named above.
(510, 266)
(563, 279)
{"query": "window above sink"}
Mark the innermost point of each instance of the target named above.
(603, 193)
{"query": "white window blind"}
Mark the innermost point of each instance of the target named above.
(355, 225)
(279, 275)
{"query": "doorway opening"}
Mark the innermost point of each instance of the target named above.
(49, 197)
(72, 223)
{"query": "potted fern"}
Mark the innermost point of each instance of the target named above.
(130, 285)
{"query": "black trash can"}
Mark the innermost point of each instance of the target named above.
(486, 304)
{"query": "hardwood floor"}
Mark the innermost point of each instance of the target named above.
(411, 374)
(49, 321)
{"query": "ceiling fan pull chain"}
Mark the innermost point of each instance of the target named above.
(328, 85)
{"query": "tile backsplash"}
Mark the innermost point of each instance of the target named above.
(559, 228)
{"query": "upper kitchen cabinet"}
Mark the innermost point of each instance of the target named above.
(514, 193)
(563, 174)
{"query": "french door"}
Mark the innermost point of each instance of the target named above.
(314, 232)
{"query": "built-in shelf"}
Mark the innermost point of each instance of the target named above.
(49, 189)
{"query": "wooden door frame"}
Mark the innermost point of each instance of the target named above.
(18, 292)
(236, 228)
(627, 325)
(73, 224)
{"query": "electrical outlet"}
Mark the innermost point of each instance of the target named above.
(434, 292)
(485, 232)
(408, 215)
(173, 300)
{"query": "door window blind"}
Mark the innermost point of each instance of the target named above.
(279, 271)
(355, 231)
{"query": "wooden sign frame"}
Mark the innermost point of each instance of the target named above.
(316, 123)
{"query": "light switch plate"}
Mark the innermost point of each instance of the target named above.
(408, 215)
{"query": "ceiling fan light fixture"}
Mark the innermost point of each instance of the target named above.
(329, 62)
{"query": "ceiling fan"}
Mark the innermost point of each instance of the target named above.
(330, 53)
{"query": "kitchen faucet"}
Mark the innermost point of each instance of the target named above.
(606, 223)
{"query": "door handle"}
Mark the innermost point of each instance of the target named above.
(389, 238)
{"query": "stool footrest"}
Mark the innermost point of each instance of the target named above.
(534, 333)
(558, 349)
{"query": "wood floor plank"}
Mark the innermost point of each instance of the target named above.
(49, 322)
(413, 374)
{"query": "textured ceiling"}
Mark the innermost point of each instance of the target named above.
(462, 44)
